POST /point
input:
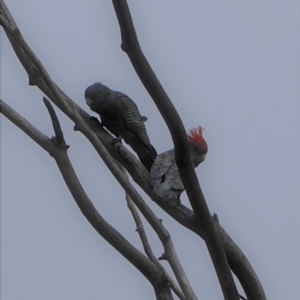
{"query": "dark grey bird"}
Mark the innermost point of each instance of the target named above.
(120, 115)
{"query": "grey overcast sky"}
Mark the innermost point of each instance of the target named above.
(230, 66)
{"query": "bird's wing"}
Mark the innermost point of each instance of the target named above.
(161, 165)
(165, 177)
(173, 177)
(133, 118)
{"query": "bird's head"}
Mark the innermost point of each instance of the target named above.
(198, 146)
(98, 96)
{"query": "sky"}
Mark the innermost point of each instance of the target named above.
(230, 66)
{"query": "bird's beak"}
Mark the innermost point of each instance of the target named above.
(89, 101)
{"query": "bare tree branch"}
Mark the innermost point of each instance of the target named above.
(59, 136)
(16, 34)
(131, 46)
(237, 260)
(25, 126)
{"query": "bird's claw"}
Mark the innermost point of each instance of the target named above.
(117, 143)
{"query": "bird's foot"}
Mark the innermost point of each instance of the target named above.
(117, 144)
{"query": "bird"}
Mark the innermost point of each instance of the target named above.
(120, 115)
(164, 175)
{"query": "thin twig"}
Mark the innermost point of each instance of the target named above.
(147, 247)
(56, 125)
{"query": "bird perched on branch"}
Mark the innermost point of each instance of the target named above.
(164, 174)
(120, 115)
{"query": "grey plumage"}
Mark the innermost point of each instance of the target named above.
(120, 115)
(164, 175)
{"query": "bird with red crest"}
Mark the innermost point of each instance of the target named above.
(164, 175)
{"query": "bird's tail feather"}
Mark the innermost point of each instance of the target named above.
(153, 152)
(147, 157)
